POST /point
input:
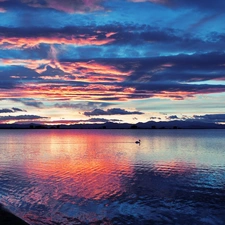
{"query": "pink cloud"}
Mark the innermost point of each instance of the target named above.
(82, 71)
(2, 10)
(24, 42)
(69, 6)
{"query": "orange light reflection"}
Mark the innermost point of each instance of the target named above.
(81, 170)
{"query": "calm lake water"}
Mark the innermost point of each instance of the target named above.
(103, 177)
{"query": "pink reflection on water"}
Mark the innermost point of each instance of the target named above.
(78, 165)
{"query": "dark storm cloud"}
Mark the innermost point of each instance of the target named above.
(13, 75)
(21, 118)
(113, 111)
(47, 31)
(12, 110)
(173, 117)
(18, 110)
(171, 73)
(166, 76)
(23, 38)
(166, 40)
(179, 68)
(210, 117)
(7, 76)
(119, 35)
(175, 74)
(6, 111)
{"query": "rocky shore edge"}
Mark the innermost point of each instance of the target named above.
(7, 218)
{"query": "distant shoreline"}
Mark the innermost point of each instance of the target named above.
(79, 128)
(7, 218)
(151, 125)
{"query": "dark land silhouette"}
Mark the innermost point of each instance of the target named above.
(7, 218)
(176, 124)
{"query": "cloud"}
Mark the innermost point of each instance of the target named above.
(28, 102)
(210, 118)
(173, 117)
(12, 110)
(114, 79)
(206, 4)
(6, 119)
(6, 111)
(101, 120)
(83, 106)
(32, 38)
(108, 40)
(2, 10)
(72, 6)
(155, 118)
(67, 6)
(113, 111)
(81, 70)
(91, 120)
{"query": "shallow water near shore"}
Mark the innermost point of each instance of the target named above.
(103, 177)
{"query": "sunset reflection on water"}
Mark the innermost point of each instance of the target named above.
(102, 176)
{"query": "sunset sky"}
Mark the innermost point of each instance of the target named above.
(93, 61)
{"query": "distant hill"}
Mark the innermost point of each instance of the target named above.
(176, 124)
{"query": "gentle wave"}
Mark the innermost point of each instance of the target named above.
(72, 177)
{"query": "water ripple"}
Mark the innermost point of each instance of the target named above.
(71, 177)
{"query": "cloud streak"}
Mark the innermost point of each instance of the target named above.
(85, 58)
(66, 6)
(207, 4)
(20, 118)
(28, 38)
(116, 79)
(215, 118)
(12, 110)
(113, 111)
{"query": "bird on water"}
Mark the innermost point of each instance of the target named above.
(138, 142)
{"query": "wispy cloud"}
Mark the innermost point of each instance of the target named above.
(113, 111)
(12, 110)
(210, 118)
(172, 117)
(83, 106)
(91, 120)
(207, 4)
(116, 79)
(67, 6)
(29, 38)
(20, 118)
(28, 102)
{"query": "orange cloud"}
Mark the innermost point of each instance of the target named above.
(82, 71)
(92, 81)
(92, 71)
(25, 42)
(56, 91)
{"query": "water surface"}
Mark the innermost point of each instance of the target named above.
(103, 177)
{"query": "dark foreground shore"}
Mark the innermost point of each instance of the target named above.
(7, 218)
